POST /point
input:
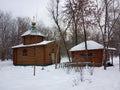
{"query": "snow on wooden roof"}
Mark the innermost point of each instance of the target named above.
(30, 45)
(112, 49)
(91, 45)
(33, 32)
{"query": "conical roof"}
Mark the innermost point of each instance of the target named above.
(91, 45)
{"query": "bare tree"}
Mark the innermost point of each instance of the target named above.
(5, 19)
(107, 23)
(72, 12)
(10, 33)
(57, 18)
(115, 40)
(22, 24)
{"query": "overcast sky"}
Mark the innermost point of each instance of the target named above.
(28, 8)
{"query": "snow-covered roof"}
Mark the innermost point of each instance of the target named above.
(37, 44)
(91, 45)
(113, 49)
(33, 32)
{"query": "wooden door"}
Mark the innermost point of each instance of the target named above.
(53, 57)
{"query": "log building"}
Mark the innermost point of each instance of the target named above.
(94, 52)
(35, 50)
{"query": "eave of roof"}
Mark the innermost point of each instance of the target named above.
(31, 45)
(91, 45)
(32, 32)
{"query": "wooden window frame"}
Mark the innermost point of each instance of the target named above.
(25, 52)
(90, 54)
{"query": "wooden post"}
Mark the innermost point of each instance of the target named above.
(57, 53)
(119, 61)
(34, 62)
(119, 54)
(34, 70)
(112, 57)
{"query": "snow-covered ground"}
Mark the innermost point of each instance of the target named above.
(21, 78)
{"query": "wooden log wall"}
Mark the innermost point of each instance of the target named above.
(96, 58)
(32, 39)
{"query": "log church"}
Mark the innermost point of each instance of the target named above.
(35, 50)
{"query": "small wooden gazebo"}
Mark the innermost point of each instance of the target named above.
(94, 53)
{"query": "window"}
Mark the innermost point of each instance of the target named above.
(25, 52)
(89, 54)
